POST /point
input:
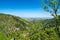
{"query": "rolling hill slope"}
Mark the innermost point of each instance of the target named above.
(11, 23)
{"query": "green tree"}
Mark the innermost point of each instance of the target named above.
(52, 6)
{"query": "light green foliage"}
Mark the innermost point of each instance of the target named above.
(15, 28)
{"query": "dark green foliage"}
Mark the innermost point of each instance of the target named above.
(53, 6)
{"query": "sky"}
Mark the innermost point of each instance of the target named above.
(23, 8)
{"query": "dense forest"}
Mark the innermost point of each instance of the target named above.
(16, 28)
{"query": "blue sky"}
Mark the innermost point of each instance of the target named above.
(23, 8)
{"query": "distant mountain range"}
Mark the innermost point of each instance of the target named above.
(31, 19)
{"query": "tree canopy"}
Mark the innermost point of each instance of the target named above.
(52, 6)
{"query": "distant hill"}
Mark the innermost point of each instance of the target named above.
(35, 19)
(52, 21)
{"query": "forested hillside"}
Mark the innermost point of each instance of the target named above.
(11, 26)
(16, 28)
